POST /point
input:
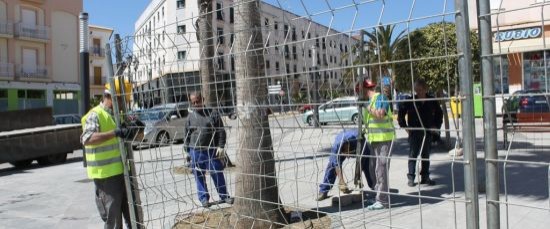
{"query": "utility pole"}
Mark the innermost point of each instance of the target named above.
(84, 64)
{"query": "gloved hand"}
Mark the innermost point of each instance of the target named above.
(121, 132)
(220, 153)
(344, 188)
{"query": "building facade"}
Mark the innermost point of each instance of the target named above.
(520, 44)
(99, 37)
(39, 55)
(167, 49)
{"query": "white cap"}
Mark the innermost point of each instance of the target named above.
(107, 92)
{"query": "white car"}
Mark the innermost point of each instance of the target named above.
(339, 110)
(163, 123)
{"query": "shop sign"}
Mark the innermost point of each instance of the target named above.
(518, 34)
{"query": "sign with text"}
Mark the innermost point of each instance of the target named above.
(518, 34)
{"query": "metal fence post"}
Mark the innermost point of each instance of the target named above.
(489, 115)
(125, 161)
(468, 132)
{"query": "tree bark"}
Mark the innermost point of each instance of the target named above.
(257, 203)
(206, 49)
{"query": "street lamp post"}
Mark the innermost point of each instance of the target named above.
(315, 86)
(84, 64)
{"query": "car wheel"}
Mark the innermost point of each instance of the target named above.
(22, 164)
(163, 139)
(355, 119)
(310, 121)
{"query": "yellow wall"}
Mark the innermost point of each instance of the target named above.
(64, 37)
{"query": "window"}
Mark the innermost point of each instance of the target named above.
(266, 22)
(231, 15)
(219, 11)
(275, 25)
(325, 59)
(221, 39)
(309, 53)
(294, 52)
(293, 33)
(287, 52)
(308, 35)
(317, 42)
(267, 65)
(221, 62)
(231, 39)
(295, 68)
(324, 43)
(288, 69)
(232, 63)
(276, 46)
(277, 66)
(181, 55)
(501, 66)
(303, 34)
(181, 29)
(163, 12)
(181, 4)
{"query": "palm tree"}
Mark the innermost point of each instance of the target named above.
(257, 202)
(382, 45)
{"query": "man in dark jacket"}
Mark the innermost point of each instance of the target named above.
(205, 141)
(420, 116)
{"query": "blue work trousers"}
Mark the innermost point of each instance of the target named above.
(203, 161)
(330, 173)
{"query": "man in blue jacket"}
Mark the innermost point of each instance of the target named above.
(344, 146)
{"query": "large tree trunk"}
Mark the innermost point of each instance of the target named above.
(206, 49)
(257, 196)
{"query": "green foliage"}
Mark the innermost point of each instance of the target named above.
(432, 55)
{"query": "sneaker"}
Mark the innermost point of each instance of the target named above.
(376, 206)
(322, 196)
(369, 202)
(205, 204)
(427, 181)
(229, 200)
(410, 183)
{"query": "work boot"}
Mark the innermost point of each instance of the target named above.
(322, 196)
(410, 181)
(427, 181)
(205, 204)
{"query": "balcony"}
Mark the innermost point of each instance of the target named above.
(32, 72)
(32, 32)
(6, 29)
(6, 70)
(97, 51)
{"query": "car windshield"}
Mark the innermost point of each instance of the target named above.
(152, 114)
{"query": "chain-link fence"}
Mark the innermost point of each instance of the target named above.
(288, 89)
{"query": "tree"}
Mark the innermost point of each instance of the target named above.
(206, 48)
(258, 203)
(382, 44)
(433, 57)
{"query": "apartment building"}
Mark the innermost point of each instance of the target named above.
(99, 37)
(39, 54)
(168, 52)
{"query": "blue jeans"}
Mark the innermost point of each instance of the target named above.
(330, 173)
(205, 160)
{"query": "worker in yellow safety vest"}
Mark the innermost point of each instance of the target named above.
(377, 118)
(100, 137)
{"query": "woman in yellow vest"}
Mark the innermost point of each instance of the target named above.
(377, 118)
(104, 163)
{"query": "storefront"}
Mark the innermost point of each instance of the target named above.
(524, 63)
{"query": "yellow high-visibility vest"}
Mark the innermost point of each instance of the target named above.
(378, 130)
(103, 160)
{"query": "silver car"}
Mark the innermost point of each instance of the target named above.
(163, 124)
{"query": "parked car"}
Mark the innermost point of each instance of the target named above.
(339, 110)
(66, 119)
(525, 101)
(163, 123)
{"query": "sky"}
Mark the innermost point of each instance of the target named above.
(122, 14)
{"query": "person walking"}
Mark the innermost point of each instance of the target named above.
(104, 163)
(204, 143)
(423, 114)
(344, 146)
(378, 120)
